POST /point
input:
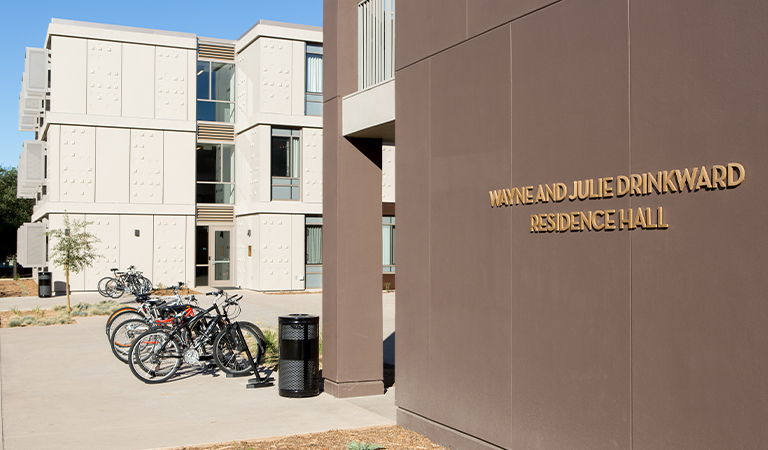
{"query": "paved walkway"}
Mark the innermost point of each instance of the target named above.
(61, 388)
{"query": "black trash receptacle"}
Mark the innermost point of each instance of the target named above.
(44, 284)
(299, 361)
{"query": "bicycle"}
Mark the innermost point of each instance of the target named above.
(156, 355)
(146, 305)
(131, 281)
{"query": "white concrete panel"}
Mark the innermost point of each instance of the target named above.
(136, 250)
(369, 108)
(53, 179)
(138, 81)
(312, 165)
(68, 74)
(387, 173)
(77, 163)
(171, 77)
(298, 88)
(276, 78)
(190, 85)
(190, 251)
(275, 252)
(248, 170)
(112, 165)
(107, 229)
(179, 167)
(298, 254)
(76, 280)
(146, 166)
(170, 243)
(264, 148)
(104, 92)
(241, 252)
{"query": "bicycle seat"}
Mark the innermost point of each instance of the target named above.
(114, 269)
(142, 298)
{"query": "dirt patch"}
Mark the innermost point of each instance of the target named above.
(25, 287)
(391, 437)
(166, 292)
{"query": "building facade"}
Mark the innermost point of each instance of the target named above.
(579, 261)
(194, 159)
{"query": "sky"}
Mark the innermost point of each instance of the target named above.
(25, 25)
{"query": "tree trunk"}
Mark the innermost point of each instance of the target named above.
(66, 271)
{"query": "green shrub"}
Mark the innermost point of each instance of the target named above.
(15, 321)
(28, 320)
(363, 446)
(58, 307)
(272, 350)
(49, 321)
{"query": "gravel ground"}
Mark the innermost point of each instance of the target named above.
(388, 437)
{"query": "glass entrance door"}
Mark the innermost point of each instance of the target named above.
(213, 262)
(220, 273)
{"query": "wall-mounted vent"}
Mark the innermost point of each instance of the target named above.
(215, 214)
(30, 245)
(215, 132)
(216, 51)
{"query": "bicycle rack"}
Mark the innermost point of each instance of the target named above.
(258, 381)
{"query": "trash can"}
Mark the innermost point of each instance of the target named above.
(44, 284)
(299, 360)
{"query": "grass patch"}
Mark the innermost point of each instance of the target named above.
(37, 317)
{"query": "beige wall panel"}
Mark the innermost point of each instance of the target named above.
(76, 280)
(247, 178)
(77, 163)
(190, 85)
(298, 80)
(179, 167)
(275, 257)
(68, 75)
(170, 242)
(104, 92)
(146, 166)
(387, 173)
(247, 83)
(263, 147)
(190, 250)
(107, 229)
(276, 78)
(312, 165)
(136, 250)
(54, 153)
(241, 252)
(112, 165)
(298, 255)
(171, 78)
(138, 81)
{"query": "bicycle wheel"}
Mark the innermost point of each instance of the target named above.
(115, 288)
(119, 312)
(123, 337)
(146, 285)
(102, 286)
(229, 351)
(148, 362)
(198, 329)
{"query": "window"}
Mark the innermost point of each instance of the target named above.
(215, 173)
(286, 164)
(388, 244)
(375, 42)
(215, 92)
(314, 247)
(314, 95)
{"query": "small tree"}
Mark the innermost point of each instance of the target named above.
(74, 249)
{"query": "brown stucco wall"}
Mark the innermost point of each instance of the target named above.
(642, 339)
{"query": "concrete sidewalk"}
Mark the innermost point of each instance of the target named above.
(61, 388)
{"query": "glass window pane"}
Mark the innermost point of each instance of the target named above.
(280, 161)
(221, 246)
(295, 159)
(208, 162)
(206, 193)
(393, 246)
(314, 48)
(281, 192)
(222, 82)
(314, 244)
(206, 111)
(225, 193)
(225, 112)
(201, 276)
(314, 73)
(386, 240)
(203, 80)
(314, 108)
(228, 163)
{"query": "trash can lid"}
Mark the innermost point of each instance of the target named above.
(298, 318)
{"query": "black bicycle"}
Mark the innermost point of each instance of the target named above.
(131, 281)
(237, 347)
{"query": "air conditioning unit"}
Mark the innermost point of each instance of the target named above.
(31, 169)
(30, 245)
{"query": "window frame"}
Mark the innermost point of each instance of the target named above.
(294, 183)
(209, 100)
(220, 154)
